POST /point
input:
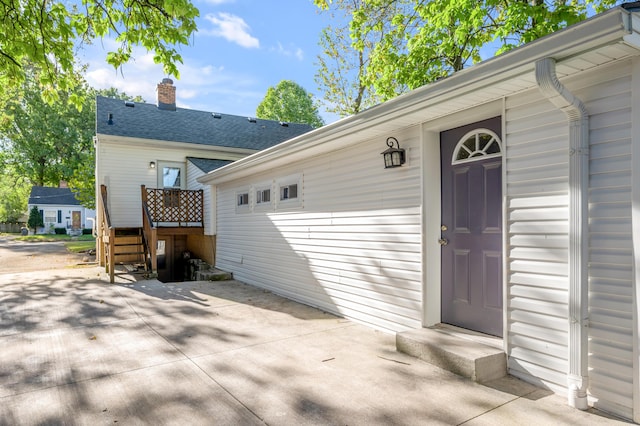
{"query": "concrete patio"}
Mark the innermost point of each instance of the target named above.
(77, 350)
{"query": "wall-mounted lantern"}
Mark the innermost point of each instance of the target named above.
(393, 157)
(152, 165)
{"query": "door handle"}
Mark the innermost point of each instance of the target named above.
(443, 241)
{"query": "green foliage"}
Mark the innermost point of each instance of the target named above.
(35, 220)
(47, 34)
(43, 141)
(341, 67)
(14, 193)
(289, 102)
(418, 42)
(46, 143)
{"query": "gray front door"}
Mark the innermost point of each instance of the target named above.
(471, 164)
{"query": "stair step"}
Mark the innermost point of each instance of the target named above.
(128, 231)
(468, 354)
(213, 275)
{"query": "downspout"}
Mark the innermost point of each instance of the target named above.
(574, 109)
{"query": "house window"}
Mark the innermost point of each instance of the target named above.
(263, 196)
(289, 192)
(59, 216)
(478, 144)
(243, 199)
(50, 216)
(171, 175)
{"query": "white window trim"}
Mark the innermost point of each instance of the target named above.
(53, 213)
(183, 173)
(289, 203)
(242, 208)
(475, 132)
(266, 186)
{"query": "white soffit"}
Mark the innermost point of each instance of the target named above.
(589, 44)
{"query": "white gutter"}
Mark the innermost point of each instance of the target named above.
(574, 109)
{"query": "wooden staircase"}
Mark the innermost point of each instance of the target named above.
(126, 247)
(119, 246)
(167, 213)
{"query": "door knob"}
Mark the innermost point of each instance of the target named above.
(443, 241)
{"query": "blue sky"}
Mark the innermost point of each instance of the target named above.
(242, 48)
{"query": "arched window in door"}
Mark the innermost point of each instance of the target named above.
(478, 144)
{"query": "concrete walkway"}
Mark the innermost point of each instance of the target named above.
(77, 350)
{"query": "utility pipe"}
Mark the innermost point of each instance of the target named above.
(574, 109)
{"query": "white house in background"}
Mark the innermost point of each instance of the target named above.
(59, 208)
(165, 148)
(516, 213)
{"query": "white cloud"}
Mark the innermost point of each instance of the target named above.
(201, 86)
(293, 51)
(232, 28)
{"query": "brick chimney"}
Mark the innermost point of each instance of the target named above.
(63, 184)
(166, 95)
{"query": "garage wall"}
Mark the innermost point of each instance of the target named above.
(350, 244)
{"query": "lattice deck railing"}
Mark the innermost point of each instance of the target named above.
(184, 207)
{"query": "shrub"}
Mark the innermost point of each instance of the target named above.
(60, 231)
(35, 220)
(87, 231)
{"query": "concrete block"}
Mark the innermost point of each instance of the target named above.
(454, 352)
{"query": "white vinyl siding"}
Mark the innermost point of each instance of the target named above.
(351, 245)
(537, 241)
(125, 167)
(537, 238)
(194, 173)
(610, 244)
(66, 213)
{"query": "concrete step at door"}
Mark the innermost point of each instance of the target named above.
(468, 354)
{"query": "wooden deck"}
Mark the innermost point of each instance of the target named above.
(165, 212)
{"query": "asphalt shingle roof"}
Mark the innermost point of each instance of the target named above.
(41, 195)
(206, 164)
(190, 126)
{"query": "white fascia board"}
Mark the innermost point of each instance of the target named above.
(601, 30)
(154, 143)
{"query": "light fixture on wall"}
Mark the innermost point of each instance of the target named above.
(152, 165)
(393, 157)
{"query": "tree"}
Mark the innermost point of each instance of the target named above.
(82, 179)
(35, 220)
(14, 192)
(427, 40)
(288, 101)
(47, 34)
(46, 143)
(342, 68)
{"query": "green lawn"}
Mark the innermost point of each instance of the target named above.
(80, 245)
(54, 237)
(74, 244)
